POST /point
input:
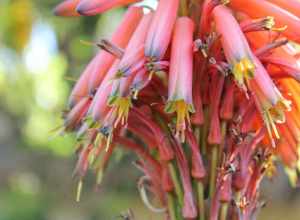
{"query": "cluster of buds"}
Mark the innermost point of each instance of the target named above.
(204, 92)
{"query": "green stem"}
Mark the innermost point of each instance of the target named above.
(213, 170)
(200, 190)
(171, 206)
(223, 133)
(176, 182)
(204, 132)
(224, 211)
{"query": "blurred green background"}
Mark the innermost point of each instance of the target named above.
(40, 55)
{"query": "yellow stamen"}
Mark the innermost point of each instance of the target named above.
(135, 94)
(108, 141)
(123, 105)
(244, 69)
(79, 190)
(182, 110)
(274, 115)
(270, 23)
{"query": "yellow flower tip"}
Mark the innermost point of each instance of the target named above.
(270, 122)
(79, 190)
(183, 111)
(108, 141)
(99, 176)
(244, 69)
(273, 115)
(276, 115)
(269, 24)
(122, 106)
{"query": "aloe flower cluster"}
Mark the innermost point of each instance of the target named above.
(204, 92)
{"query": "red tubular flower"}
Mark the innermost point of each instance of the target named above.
(160, 31)
(75, 117)
(93, 7)
(205, 20)
(198, 170)
(120, 96)
(259, 9)
(227, 106)
(99, 107)
(67, 8)
(181, 74)
(120, 38)
(199, 68)
(235, 45)
(80, 89)
(83, 161)
(215, 136)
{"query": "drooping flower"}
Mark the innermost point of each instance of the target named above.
(235, 45)
(95, 71)
(160, 31)
(119, 38)
(180, 99)
(120, 94)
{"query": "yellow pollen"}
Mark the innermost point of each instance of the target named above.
(270, 23)
(182, 110)
(244, 69)
(122, 105)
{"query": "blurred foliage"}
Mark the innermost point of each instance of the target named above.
(40, 58)
(33, 69)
